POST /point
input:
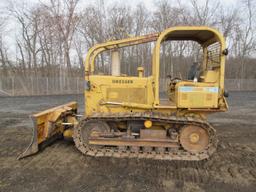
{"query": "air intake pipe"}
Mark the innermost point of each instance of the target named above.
(115, 67)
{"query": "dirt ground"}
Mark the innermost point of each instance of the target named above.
(61, 167)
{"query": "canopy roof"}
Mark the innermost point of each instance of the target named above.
(199, 34)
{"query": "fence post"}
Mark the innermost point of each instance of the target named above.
(12, 86)
(31, 85)
(1, 84)
(77, 87)
(240, 85)
(47, 86)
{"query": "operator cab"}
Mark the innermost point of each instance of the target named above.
(196, 84)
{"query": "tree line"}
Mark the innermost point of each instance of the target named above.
(52, 38)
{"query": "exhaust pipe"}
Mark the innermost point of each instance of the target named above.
(115, 68)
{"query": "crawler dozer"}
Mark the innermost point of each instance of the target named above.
(124, 115)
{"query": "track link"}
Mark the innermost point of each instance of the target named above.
(146, 152)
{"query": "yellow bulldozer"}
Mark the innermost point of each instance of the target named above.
(124, 115)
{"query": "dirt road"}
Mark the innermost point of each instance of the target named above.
(62, 168)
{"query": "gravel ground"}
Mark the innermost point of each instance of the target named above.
(61, 167)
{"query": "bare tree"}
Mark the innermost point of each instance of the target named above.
(244, 38)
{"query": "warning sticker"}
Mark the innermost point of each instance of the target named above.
(195, 89)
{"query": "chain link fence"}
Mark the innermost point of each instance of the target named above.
(25, 86)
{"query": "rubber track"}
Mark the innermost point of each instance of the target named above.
(149, 152)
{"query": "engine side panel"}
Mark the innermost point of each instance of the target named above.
(126, 90)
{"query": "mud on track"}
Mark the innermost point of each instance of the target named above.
(62, 168)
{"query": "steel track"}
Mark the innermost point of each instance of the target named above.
(146, 152)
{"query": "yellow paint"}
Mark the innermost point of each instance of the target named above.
(198, 97)
(131, 93)
(49, 122)
(148, 123)
(68, 133)
(194, 138)
(72, 120)
(140, 71)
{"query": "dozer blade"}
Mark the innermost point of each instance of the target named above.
(49, 126)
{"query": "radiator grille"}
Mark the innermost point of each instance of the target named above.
(213, 55)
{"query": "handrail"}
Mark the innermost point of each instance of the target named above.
(97, 49)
